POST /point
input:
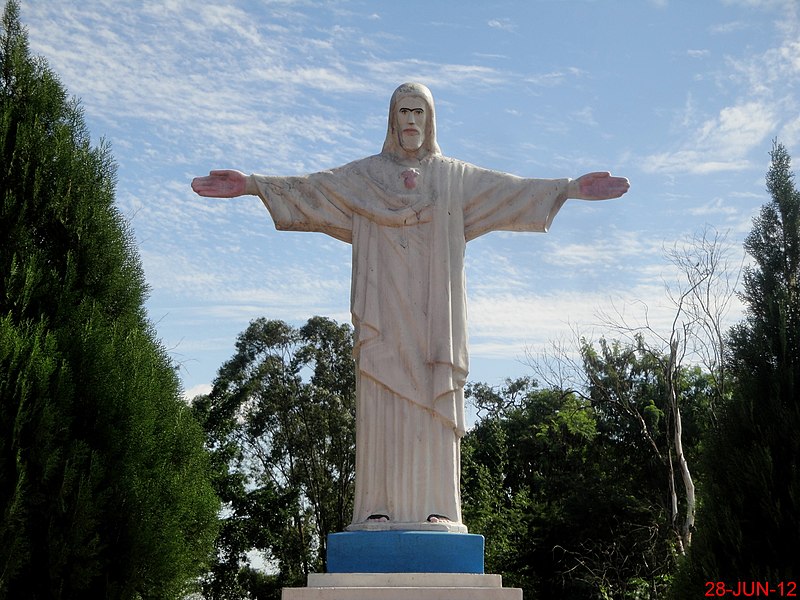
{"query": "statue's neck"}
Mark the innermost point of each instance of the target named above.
(410, 159)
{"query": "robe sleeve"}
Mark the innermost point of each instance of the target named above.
(495, 201)
(315, 202)
(327, 201)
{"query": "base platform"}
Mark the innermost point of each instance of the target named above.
(402, 586)
(404, 552)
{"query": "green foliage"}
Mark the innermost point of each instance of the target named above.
(556, 494)
(749, 525)
(641, 399)
(103, 484)
(280, 422)
(628, 388)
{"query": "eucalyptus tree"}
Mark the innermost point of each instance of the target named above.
(280, 423)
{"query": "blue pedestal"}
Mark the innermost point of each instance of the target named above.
(405, 552)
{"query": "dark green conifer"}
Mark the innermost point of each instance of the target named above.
(103, 484)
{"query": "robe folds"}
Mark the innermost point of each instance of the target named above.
(408, 305)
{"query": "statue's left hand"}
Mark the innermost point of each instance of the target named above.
(222, 183)
(598, 186)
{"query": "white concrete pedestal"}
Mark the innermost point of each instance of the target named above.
(402, 586)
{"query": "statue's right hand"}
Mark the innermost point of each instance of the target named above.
(224, 183)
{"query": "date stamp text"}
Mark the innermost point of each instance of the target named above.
(751, 589)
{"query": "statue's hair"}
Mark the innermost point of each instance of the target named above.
(392, 143)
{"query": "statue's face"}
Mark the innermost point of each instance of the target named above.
(410, 121)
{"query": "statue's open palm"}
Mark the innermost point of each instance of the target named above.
(223, 183)
(598, 186)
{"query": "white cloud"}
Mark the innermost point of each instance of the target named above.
(790, 133)
(770, 74)
(738, 128)
(504, 23)
(196, 390)
(714, 207)
(187, 75)
(719, 144)
(490, 55)
(507, 318)
(509, 326)
(729, 27)
(555, 78)
(790, 55)
(503, 325)
(770, 4)
(687, 116)
(436, 75)
(613, 249)
(762, 103)
(585, 116)
(689, 161)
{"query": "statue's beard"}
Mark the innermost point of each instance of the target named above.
(411, 143)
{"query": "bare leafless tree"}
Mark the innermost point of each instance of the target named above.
(700, 297)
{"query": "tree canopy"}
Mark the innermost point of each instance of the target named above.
(280, 424)
(567, 491)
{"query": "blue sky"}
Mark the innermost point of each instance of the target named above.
(682, 97)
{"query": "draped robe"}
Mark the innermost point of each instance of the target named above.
(408, 305)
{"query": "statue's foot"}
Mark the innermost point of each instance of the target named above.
(434, 522)
(434, 518)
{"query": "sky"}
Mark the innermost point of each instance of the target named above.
(684, 98)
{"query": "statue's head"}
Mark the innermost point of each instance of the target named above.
(412, 123)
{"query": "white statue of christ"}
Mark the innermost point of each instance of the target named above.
(408, 213)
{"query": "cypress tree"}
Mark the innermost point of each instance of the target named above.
(749, 525)
(104, 489)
